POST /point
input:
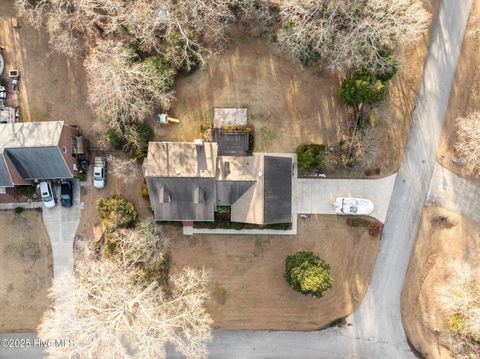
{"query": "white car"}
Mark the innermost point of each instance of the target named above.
(99, 172)
(353, 206)
(47, 194)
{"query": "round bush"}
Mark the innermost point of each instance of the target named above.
(310, 156)
(308, 274)
(361, 89)
(116, 212)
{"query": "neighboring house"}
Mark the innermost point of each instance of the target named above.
(35, 151)
(188, 180)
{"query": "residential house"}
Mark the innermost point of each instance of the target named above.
(35, 151)
(188, 180)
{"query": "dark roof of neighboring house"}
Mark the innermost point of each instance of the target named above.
(39, 162)
(179, 197)
(277, 190)
(5, 179)
(228, 192)
(231, 143)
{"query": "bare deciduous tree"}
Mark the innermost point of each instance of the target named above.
(139, 245)
(459, 299)
(177, 29)
(109, 314)
(122, 90)
(125, 169)
(467, 142)
(348, 35)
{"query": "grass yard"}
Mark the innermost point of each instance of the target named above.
(26, 270)
(248, 288)
(435, 248)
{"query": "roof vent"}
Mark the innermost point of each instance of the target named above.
(260, 173)
(178, 172)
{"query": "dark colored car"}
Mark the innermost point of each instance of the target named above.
(66, 193)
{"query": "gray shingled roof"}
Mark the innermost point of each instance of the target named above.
(229, 191)
(277, 190)
(5, 179)
(181, 192)
(39, 162)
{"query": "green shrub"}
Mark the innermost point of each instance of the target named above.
(116, 212)
(383, 69)
(138, 137)
(358, 222)
(115, 139)
(18, 210)
(238, 226)
(308, 274)
(311, 156)
(361, 89)
(278, 226)
(26, 190)
(162, 68)
(145, 133)
(223, 209)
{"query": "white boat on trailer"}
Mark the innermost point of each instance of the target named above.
(353, 206)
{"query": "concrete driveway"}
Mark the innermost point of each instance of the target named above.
(61, 224)
(317, 196)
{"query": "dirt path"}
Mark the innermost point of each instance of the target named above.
(26, 270)
(249, 291)
(436, 247)
(465, 97)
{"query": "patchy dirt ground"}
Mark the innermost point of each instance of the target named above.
(126, 185)
(249, 291)
(52, 86)
(465, 96)
(26, 270)
(437, 245)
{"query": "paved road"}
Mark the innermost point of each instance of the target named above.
(455, 193)
(375, 329)
(317, 196)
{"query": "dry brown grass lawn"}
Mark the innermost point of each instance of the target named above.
(249, 291)
(26, 270)
(465, 96)
(290, 105)
(52, 86)
(435, 248)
